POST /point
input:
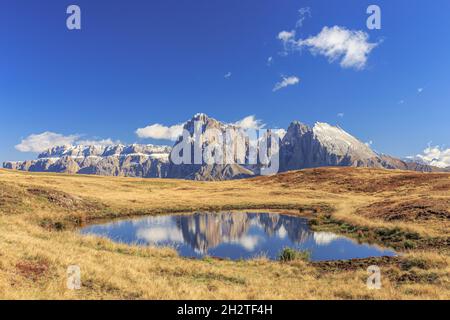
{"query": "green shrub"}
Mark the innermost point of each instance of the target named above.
(290, 254)
(407, 244)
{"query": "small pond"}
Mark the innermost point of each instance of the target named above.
(234, 236)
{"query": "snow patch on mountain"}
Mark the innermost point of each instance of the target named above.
(339, 142)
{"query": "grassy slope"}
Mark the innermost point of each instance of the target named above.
(38, 213)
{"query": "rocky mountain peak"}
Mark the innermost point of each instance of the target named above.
(339, 142)
(297, 128)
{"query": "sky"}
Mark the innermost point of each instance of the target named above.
(138, 69)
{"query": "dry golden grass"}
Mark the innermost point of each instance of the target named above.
(38, 213)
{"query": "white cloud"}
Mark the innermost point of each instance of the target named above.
(401, 102)
(156, 235)
(340, 114)
(43, 141)
(369, 143)
(435, 156)
(351, 48)
(269, 61)
(227, 76)
(249, 122)
(288, 40)
(303, 14)
(285, 82)
(419, 90)
(249, 243)
(280, 132)
(324, 238)
(286, 36)
(160, 132)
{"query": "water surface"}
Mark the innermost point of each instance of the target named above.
(235, 236)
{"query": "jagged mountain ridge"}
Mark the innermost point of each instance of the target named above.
(117, 160)
(301, 147)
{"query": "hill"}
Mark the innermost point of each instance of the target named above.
(39, 214)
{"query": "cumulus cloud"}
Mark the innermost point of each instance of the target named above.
(280, 132)
(286, 35)
(249, 122)
(285, 82)
(352, 48)
(419, 90)
(269, 61)
(288, 40)
(43, 141)
(227, 75)
(160, 132)
(434, 155)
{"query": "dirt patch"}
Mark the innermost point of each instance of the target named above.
(410, 210)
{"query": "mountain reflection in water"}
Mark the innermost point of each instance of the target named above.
(234, 236)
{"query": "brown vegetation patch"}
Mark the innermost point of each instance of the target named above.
(355, 264)
(202, 276)
(410, 210)
(347, 179)
(10, 198)
(64, 200)
(414, 276)
(107, 289)
(442, 186)
(33, 269)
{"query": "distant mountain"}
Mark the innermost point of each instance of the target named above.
(435, 163)
(147, 161)
(395, 163)
(301, 147)
(323, 145)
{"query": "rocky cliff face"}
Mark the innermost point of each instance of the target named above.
(302, 147)
(323, 145)
(200, 170)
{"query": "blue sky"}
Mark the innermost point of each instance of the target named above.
(136, 63)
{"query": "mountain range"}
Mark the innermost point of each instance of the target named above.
(301, 147)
